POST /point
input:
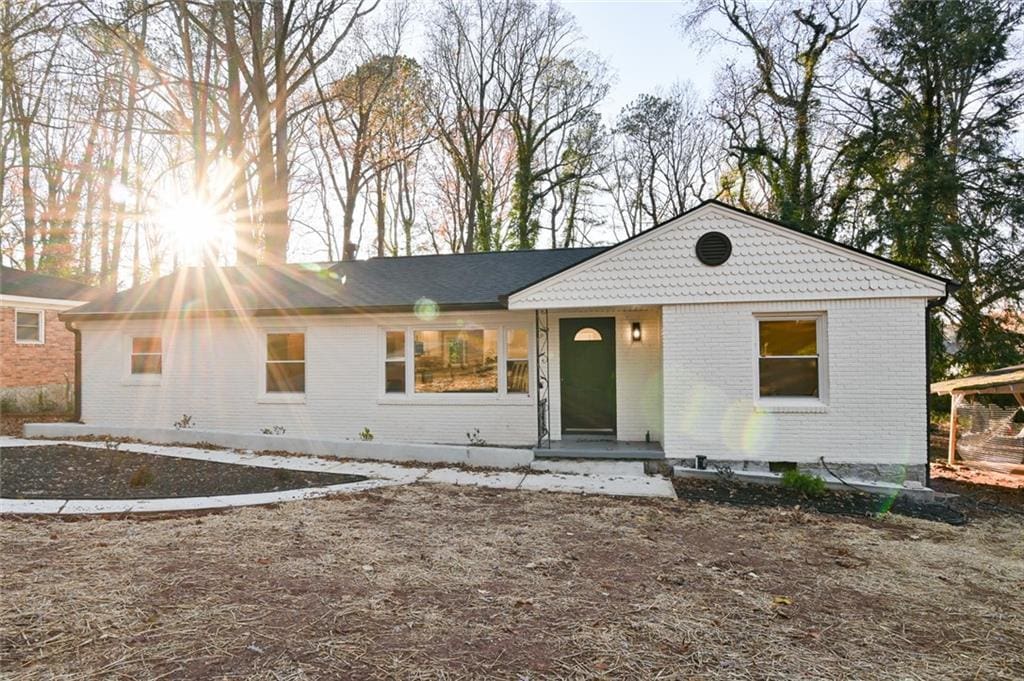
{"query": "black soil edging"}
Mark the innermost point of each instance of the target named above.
(856, 504)
(70, 472)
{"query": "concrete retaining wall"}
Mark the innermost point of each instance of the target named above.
(484, 457)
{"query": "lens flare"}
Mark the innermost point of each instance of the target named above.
(426, 309)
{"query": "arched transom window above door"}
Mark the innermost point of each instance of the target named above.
(586, 334)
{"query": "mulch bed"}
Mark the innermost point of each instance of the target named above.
(70, 472)
(851, 503)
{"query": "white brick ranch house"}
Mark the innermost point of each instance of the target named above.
(717, 333)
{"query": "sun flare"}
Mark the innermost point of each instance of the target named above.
(196, 228)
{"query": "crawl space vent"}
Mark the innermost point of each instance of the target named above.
(713, 248)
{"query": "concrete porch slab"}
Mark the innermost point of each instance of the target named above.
(573, 448)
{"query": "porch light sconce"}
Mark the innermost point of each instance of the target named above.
(636, 333)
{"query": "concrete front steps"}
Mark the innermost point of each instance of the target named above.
(911, 489)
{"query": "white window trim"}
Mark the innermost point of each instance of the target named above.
(410, 396)
(281, 398)
(41, 314)
(779, 404)
(128, 378)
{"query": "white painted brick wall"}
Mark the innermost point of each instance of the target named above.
(876, 373)
(212, 369)
(211, 372)
(768, 263)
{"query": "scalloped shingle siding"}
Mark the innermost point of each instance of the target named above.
(766, 264)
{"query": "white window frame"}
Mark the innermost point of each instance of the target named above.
(782, 403)
(410, 396)
(278, 397)
(41, 315)
(142, 379)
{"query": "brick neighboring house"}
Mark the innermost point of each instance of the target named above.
(37, 352)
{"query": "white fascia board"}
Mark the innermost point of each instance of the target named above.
(44, 303)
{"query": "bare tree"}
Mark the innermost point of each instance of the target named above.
(665, 157)
(473, 77)
(560, 87)
(779, 116)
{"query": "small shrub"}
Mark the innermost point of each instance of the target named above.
(184, 423)
(112, 445)
(365, 435)
(8, 405)
(724, 472)
(475, 439)
(142, 477)
(274, 430)
(805, 483)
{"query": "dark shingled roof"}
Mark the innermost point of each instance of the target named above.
(15, 282)
(459, 281)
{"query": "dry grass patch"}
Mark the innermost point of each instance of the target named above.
(436, 582)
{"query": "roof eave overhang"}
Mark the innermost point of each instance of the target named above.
(72, 316)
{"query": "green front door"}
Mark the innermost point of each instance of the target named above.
(587, 367)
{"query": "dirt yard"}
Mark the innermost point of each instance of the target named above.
(438, 582)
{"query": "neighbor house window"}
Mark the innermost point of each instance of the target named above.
(394, 362)
(517, 360)
(456, 361)
(286, 363)
(28, 327)
(789, 363)
(147, 355)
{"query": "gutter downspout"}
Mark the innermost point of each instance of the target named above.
(951, 287)
(70, 326)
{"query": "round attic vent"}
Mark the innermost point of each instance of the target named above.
(713, 248)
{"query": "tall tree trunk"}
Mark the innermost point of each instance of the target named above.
(129, 137)
(381, 213)
(28, 198)
(245, 242)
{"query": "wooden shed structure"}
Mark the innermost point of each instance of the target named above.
(993, 443)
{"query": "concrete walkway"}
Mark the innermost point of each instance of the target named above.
(379, 474)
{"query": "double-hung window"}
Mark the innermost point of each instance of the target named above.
(147, 357)
(29, 326)
(286, 363)
(491, 361)
(790, 362)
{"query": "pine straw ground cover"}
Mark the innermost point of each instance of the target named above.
(439, 582)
